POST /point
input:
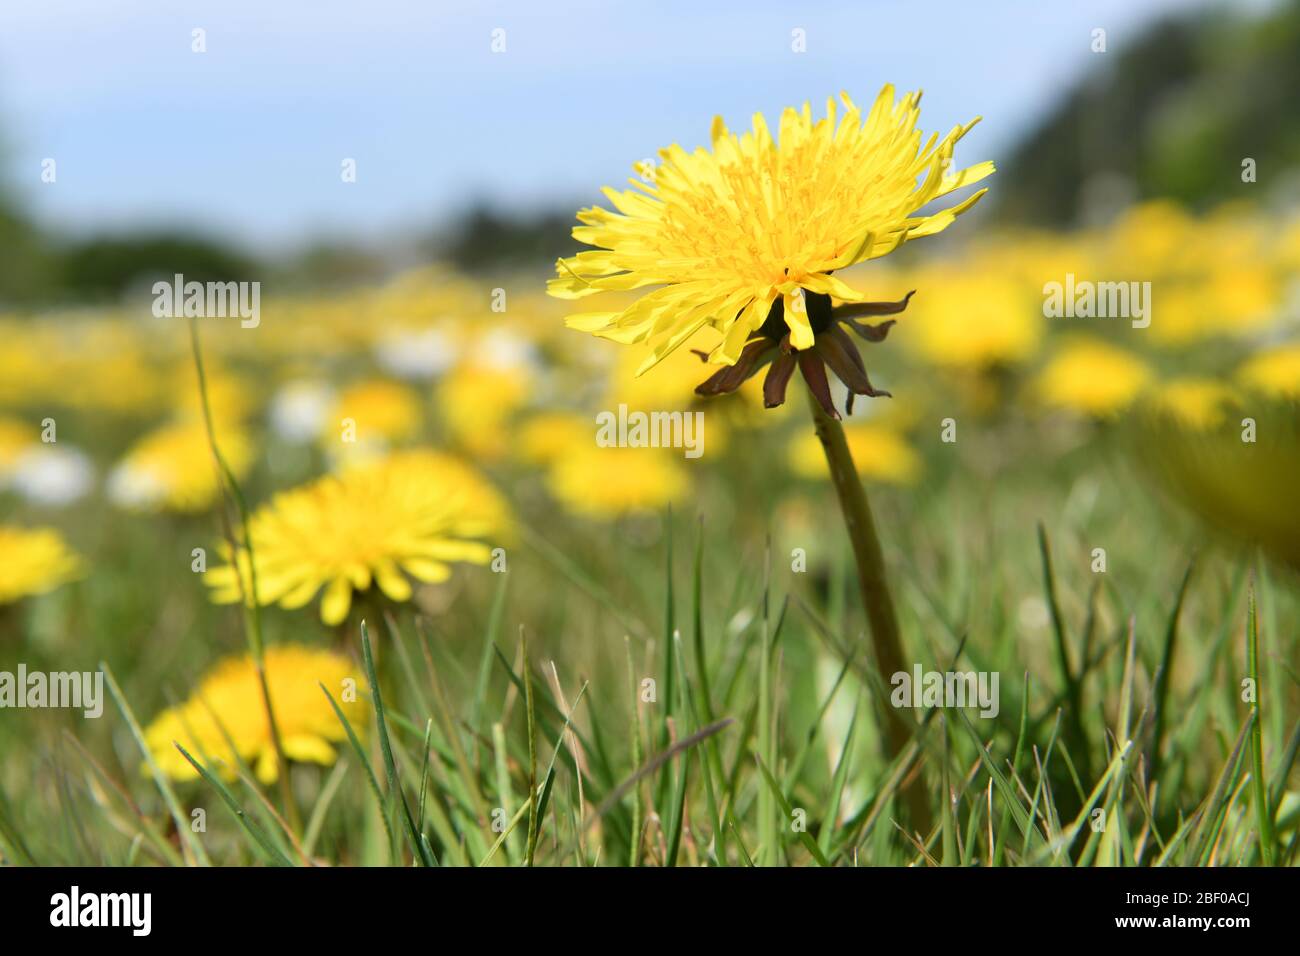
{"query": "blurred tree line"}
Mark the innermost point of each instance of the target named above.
(1173, 112)
(38, 269)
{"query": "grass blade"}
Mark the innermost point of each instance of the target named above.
(1263, 806)
(159, 779)
(248, 823)
(418, 846)
(804, 836)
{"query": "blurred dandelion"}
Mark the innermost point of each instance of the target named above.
(606, 483)
(381, 413)
(477, 400)
(547, 437)
(16, 437)
(410, 513)
(1090, 377)
(171, 468)
(1274, 372)
(1197, 404)
(34, 561)
(973, 317)
(226, 710)
(883, 454)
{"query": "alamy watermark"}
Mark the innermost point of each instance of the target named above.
(624, 429)
(82, 690)
(208, 300)
(75, 908)
(931, 689)
(1102, 300)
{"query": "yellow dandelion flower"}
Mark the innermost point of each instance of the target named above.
(881, 453)
(605, 483)
(227, 707)
(34, 561)
(974, 318)
(1091, 377)
(1274, 372)
(1184, 317)
(25, 371)
(15, 437)
(230, 397)
(172, 468)
(544, 438)
(374, 412)
(476, 402)
(1153, 236)
(1243, 295)
(415, 512)
(744, 238)
(1197, 404)
(1287, 246)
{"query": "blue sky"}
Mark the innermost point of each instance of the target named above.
(246, 140)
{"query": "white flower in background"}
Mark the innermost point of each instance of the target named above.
(504, 351)
(416, 355)
(298, 410)
(51, 474)
(135, 487)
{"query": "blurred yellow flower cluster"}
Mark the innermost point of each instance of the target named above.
(1221, 292)
(435, 360)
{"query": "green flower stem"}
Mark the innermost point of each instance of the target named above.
(876, 600)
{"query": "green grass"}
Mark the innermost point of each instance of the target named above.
(767, 720)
